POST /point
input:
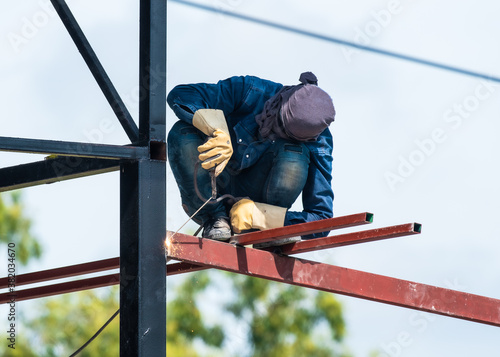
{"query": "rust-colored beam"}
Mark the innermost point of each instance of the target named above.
(84, 284)
(349, 238)
(182, 267)
(303, 229)
(334, 279)
(324, 243)
(62, 288)
(64, 272)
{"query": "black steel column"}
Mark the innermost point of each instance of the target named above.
(143, 202)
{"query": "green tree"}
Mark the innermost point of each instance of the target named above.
(286, 320)
(15, 228)
(185, 322)
(66, 322)
(283, 320)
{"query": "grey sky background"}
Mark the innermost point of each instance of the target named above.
(412, 143)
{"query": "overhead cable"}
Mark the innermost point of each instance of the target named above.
(340, 41)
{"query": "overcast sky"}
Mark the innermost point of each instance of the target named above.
(412, 143)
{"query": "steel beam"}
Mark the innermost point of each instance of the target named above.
(63, 272)
(142, 258)
(143, 201)
(62, 288)
(303, 229)
(334, 279)
(53, 170)
(349, 238)
(97, 69)
(100, 151)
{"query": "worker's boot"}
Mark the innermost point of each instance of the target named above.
(217, 229)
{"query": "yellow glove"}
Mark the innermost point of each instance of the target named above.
(218, 149)
(247, 214)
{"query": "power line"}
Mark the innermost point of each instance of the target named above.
(340, 41)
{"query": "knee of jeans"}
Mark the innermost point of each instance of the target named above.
(183, 141)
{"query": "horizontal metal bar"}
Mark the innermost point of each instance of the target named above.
(334, 279)
(53, 170)
(303, 229)
(182, 267)
(62, 288)
(77, 285)
(72, 148)
(63, 272)
(349, 238)
(85, 284)
(97, 69)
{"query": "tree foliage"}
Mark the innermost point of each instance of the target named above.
(15, 227)
(286, 320)
(64, 323)
(283, 320)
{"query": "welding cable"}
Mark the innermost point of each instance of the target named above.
(96, 334)
(231, 199)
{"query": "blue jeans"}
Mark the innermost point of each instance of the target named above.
(277, 178)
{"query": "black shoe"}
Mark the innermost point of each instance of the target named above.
(217, 229)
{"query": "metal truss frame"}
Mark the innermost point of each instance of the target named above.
(144, 241)
(142, 166)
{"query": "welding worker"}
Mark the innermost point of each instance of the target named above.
(266, 142)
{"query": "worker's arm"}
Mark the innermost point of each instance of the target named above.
(236, 94)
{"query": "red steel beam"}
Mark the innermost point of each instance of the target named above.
(62, 288)
(84, 284)
(334, 279)
(349, 238)
(303, 229)
(327, 242)
(64, 272)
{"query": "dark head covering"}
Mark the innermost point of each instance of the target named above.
(299, 112)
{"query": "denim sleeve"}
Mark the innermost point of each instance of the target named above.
(317, 195)
(186, 99)
(227, 95)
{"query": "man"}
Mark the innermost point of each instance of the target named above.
(263, 141)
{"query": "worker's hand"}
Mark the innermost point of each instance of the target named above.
(216, 151)
(247, 214)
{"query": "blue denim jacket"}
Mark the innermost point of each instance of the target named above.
(241, 99)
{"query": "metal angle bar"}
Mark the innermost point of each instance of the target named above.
(83, 284)
(349, 238)
(303, 228)
(53, 170)
(97, 69)
(334, 279)
(69, 148)
(62, 288)
(63, 272)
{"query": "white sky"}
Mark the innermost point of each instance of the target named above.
(388, 112)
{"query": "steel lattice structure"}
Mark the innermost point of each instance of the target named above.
(142, 166)
(143, 234)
